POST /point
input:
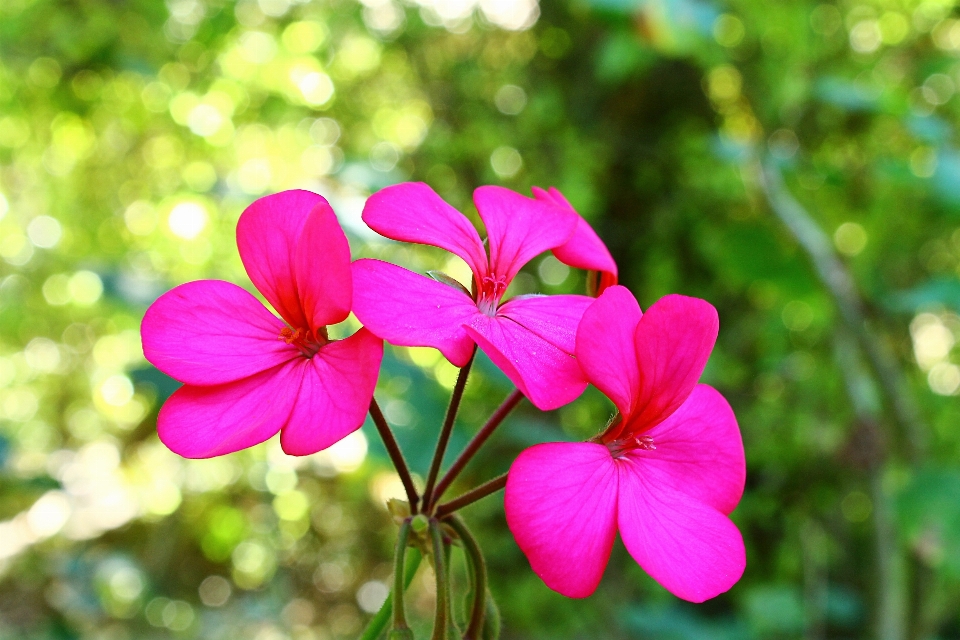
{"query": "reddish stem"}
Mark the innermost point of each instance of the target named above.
(474, 445)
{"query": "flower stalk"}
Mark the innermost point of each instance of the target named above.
(484, 490)
(396, 456)
(446, 430)
(476, 442)
(379, 621)
(399, 612)
(440, 569)
(478, 571)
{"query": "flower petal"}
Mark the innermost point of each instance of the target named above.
(520, 228)
(548, 377)
(561, 506)
(694, 551)
(673, 340)
(211, 332)
(584, 249)
(324, 281)
(335, 396)
(411, 310)
(553, 318)
(605, 346)
(413, 212)
(202, 422)
(268, 234)
(699, 451)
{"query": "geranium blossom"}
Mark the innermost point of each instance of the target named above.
(584, 249)
(249, 374)
(530, 337)
(666, 473)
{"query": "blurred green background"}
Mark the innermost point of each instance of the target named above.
(133, 133)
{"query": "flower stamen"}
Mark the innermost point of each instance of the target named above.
(492, 289)
(304, 339)
(622, 446)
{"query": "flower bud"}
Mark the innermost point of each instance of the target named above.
(419, 523)
(399, 509)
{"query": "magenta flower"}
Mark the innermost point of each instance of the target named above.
(666, 474)
(246, 373)
(584, 249)
(530, 338)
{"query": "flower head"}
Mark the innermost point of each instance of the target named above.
(666, 474)
(248, 374)
(531, 338)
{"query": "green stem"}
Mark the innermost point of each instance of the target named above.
(396, 456)
(491, 486)
(478, 573)
(379, 622)
(453, 630)
(446, 430)
(399, 613)
(475, 443)
(439, 568)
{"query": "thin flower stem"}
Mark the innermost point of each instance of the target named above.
(396, 456)
(479, 577)
(491, 486)
(446, 430)
(399, 612)
(474, 445)
(453, 631)
(439, 566)
(379, 622)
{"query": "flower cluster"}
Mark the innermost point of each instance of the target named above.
(666, 472)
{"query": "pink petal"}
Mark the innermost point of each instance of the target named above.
(324, 281)
(584, 249)
(694, 551)
(211, 332)
(698, 452)
(674, 340)
(202, 422)
(413, 212)
(268, 235)
(561, 505)
(553, 318)
(335, 396)
(519, 228)
(548, 377)
(605, 346)
(411, 310)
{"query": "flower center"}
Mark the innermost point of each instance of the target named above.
(492, 289)
(305, 340)
(630, 443)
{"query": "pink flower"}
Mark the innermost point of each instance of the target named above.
(584, 249)
(248, 374)
(665, 475)
(530, 338)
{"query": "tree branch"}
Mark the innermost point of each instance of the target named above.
(839, 282)
(891, 601)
